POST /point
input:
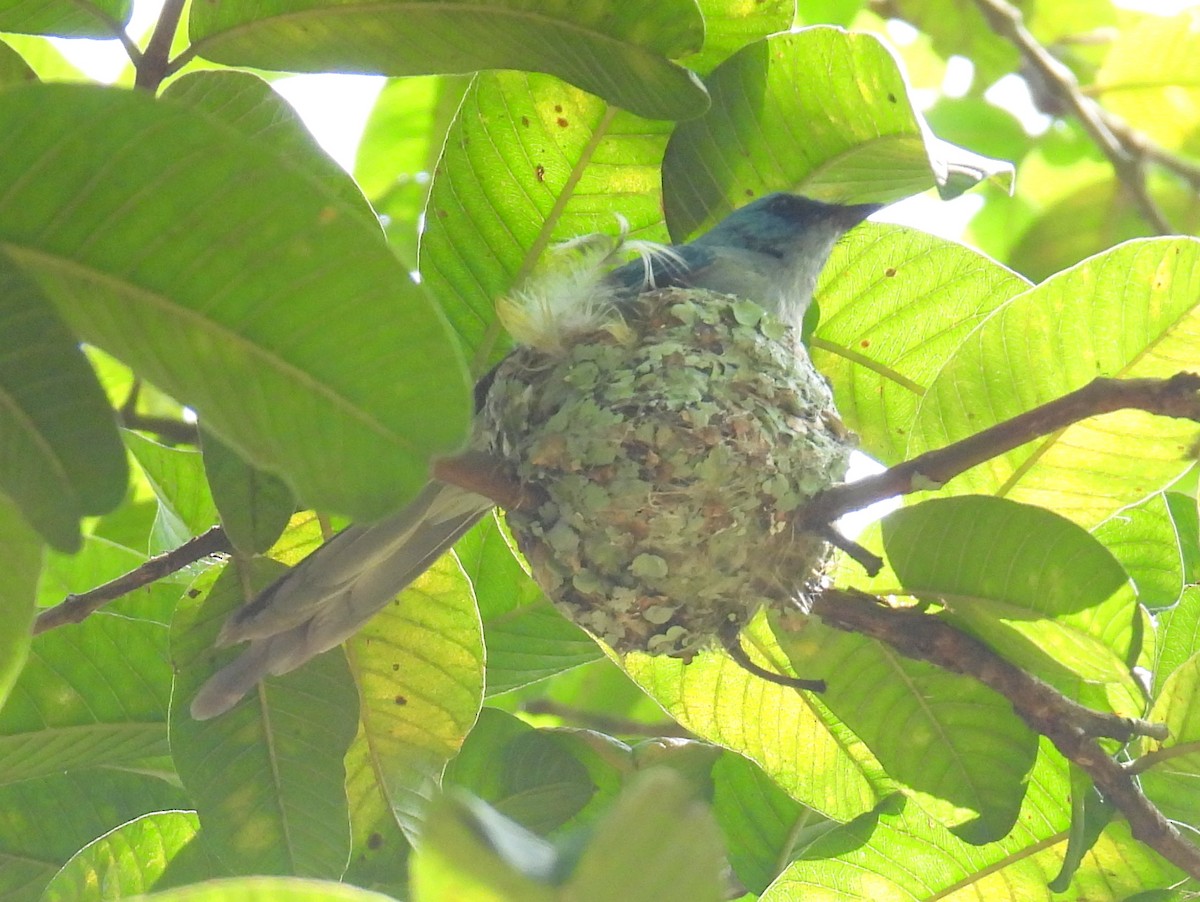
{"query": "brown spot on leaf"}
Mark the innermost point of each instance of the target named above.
(562, 122)
(890, 271)
(400, 700)
(540, 171)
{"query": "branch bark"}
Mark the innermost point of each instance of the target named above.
(77, 608)
(1072, 728)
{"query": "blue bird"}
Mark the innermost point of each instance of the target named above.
(770, 251)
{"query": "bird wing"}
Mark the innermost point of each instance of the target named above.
(331, 593)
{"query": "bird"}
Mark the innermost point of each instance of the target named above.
(770, 251)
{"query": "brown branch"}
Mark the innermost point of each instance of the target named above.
(77, 608)
(154, 64)
(486, 475)
(1130, 166)
(1071, 727)
(1158, 756)
(177, 432)
(1174, 397)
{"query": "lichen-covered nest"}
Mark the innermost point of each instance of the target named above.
(671, 449)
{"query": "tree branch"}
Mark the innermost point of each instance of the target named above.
(1071, 727)
(1178, 396)
(1126, 157)
(154, 64)
(77, 608)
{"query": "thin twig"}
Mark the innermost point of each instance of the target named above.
(1152, 759)
(77, 608)
(1174, 397)
(154, 64)
(1007, 22)
(177, 432)
(1071, 727)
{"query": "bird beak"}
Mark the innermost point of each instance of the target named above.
(851, 215)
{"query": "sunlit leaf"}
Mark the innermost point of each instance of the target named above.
(267, 776)
(1131, 311)
(613, 50)
(234, 280)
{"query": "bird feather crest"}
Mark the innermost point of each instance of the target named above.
(568, 296)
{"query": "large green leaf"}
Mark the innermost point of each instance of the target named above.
(66, 18)
(614, 50)
(60, 455)
(1173, 783)
(44, 821)
(126, 861)
(764, 827)
(953, 743)
(1178, 635)
(902, 855)
(267, 777)
(821, 111)
(1129, 312)
(419, 668)
(91, 694)
(259, 889)
(1145, 539)
(530, 161)
(1150, 75)
(177, 477)
(792, 737)
(527, 638)
(1038, 588)
(895, 304)
(232, 278)
(21, 561)
(250, 105)
(254, 506)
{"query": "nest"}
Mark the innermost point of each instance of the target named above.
(672, 449)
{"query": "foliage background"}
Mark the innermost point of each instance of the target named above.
(208, 254)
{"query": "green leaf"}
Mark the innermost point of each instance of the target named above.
(1173, 783)
(210, 265)
(254, 506)
(66, 18)
(895, 305)
(527, 638)
(821, 111)
(1149, 78)
(44, 821)
(530, 161)
(1130, 312)
(60, 454)
(125, 862)
(267, 777)
(91, 694)
(763, 827)
(13, 68)
(258, 889)
(399, 151)
(812, 756)
(177, 477)
(249, 104)
(1039, 589)
(657, 844)
(419, 668)
(1090, 814)
(542, 779)
(471, 852)
(900, 854)
(954, 744)
(21, 562)
(1178, 636)
(613, 50)
(730, 26)
(1146, 542)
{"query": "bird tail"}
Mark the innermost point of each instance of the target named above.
(331, 593)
